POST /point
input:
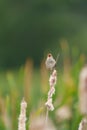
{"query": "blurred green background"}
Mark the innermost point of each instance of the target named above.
(31, 28)
(28, 31)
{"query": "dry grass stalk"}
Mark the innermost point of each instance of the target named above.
(83, 124)
(22, 116)
(52, 82)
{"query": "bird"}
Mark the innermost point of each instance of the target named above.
(50, 62)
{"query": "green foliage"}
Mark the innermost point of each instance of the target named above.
(28, 28)
(14, 85)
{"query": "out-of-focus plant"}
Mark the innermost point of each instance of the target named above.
(33, 85)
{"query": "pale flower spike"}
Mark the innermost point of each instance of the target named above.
(49, 104)
(22, 116)
(50, 63)
(83, 124)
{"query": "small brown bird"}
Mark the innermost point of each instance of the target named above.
(51, 62)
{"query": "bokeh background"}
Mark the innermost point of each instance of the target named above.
(28, 31)
(30, 28)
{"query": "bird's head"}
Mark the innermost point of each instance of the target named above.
(49, 55)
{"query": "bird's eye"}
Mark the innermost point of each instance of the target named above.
(49, 55)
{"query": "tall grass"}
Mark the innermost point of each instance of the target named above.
(33, 85)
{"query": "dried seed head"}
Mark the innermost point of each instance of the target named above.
(83, 124)
(49, 104)
(22, 116)
(53, 78)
